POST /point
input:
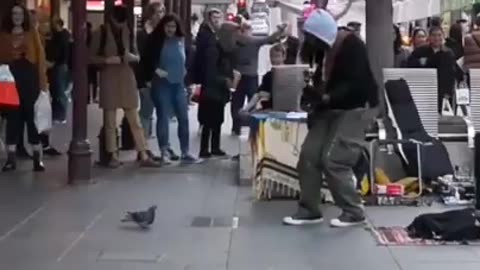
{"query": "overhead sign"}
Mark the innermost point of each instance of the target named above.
(214, 2)
(449, 5)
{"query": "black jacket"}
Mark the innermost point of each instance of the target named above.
(141, 41)
(458, 52)
(442, 60)
(292, 45)
(351, 84)
(58, 48)
(212, 66)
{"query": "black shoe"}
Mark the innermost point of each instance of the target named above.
(50, 151)
(346, 220)
(37, 162)
(150, 155)
(205, 154)
(303, 217)
(172, 155)
(22, 153)
(219, 153)
(11, 164)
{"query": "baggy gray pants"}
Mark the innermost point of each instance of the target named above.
(332, 147)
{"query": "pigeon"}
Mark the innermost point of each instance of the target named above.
(142, 218)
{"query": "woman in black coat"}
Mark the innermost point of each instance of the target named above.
(455, 43)
(217, 81)
(437, 55)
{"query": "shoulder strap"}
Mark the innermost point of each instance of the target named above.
(476, 40)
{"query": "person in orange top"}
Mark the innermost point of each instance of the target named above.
(22, 49)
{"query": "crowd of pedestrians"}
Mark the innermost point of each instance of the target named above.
(157, 64)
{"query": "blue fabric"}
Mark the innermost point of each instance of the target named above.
(167, 98)
(146, 111)
(261, 116)
(172, 60)
(58, 79)
(246, 89)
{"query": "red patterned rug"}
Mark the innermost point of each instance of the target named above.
(398, 236)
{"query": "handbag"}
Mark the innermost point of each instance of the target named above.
(9, 98)
(447, 109)
(43, 112)
(197, 89)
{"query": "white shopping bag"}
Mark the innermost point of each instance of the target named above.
(43, 112)
(463, 96)
(447, 109)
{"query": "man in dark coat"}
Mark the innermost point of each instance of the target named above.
(437, 56)
(341, 113)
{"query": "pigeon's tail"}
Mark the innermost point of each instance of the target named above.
(127, 218)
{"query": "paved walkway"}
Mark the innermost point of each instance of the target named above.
(46, 225)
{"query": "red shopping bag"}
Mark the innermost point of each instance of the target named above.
(196, 93)
(8, 91)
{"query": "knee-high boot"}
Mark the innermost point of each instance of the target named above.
(205, 143)
(11, 164)
(38, 159)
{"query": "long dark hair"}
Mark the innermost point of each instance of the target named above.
(312, 52)
(159, 31)
(397, 42)
(456, 33)
(7, 22)
(158, 36)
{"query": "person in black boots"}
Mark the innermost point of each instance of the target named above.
(219, 79)
(58, 54)
(22, 50)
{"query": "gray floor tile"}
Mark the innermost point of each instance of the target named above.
(441, 266)
(445, 254)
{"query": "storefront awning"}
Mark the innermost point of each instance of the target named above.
(411, 10)
(449, 5)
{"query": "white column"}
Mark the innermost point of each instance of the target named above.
(379, 36)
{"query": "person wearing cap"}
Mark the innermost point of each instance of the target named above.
(342, 99)
(356, 27)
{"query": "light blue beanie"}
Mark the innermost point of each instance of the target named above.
(321, 25)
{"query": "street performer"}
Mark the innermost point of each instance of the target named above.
(342, 97)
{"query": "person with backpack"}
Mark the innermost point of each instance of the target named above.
(113, 50)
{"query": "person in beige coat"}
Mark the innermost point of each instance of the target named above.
(113, 50)
(472, 47)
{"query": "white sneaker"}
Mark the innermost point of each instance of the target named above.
(300, 221)
(344, 221)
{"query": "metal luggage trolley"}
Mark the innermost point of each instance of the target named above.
(423, 88)
(398, 198)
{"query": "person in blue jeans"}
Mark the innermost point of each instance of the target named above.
(164, 65)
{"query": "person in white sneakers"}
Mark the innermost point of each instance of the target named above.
(343, 92)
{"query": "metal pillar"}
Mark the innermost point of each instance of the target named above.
(188, 19)
(130, 5)
(79, 155)
(109, 4)
(55, 9)
(379, 31)
(145, 4)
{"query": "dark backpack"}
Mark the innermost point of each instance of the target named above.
(435, 160)
(455, 225)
